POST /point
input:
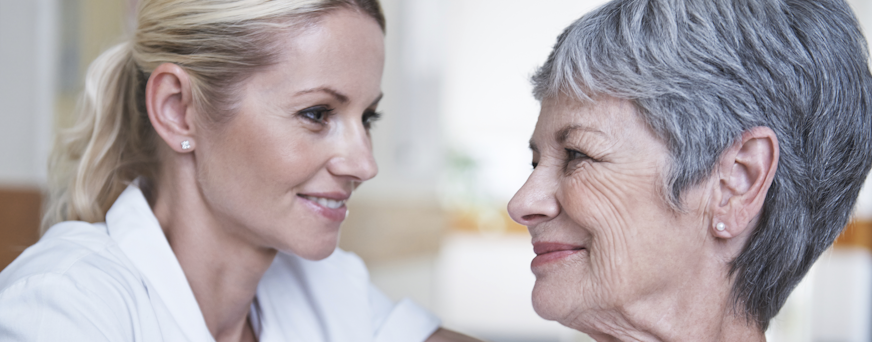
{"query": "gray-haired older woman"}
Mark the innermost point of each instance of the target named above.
(692, 159)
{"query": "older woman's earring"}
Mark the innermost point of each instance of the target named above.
(720, 226)
(186, 145)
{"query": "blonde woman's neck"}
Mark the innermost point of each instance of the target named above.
(222, 269)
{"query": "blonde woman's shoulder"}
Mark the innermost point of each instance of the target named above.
(62, 247)
(72, 285)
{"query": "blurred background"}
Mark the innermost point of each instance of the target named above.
(452, 149)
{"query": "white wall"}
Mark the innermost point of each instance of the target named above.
(407, 141)
(27, 70)
(492, 49)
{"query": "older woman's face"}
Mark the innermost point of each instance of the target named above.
(607, 243)
(278, 173)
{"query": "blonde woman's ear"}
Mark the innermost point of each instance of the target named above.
(168, 100)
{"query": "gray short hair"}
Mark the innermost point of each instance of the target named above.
(701, 72)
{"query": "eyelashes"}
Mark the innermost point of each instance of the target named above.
(316, 114)
(575, 155)
(571, 159)
(321, 115)
(370, 117)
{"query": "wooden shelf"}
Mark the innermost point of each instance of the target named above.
(858, 233)
(20, 212)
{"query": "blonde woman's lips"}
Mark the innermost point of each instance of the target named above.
(328, 205)
(548, 252)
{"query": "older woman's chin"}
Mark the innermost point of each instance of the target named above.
(551, 302)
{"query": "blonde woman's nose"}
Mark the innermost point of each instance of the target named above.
(354, 158)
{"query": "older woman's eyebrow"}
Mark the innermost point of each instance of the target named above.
(563, 134)
(533, 146)
(335, 93)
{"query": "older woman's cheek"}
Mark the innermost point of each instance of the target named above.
(586, 199)
(603, 199)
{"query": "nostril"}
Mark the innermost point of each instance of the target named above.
(532, 217)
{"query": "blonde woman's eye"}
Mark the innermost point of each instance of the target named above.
(370, 117)
(316, 114)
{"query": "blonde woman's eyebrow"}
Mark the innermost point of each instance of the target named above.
(377, 99)
(333, 92)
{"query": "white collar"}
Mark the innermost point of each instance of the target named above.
(132, 224)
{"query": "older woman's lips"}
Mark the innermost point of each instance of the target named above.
(547, 252)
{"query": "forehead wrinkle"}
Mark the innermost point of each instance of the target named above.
(563, 134)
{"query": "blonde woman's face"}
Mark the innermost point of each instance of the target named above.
(280, 170)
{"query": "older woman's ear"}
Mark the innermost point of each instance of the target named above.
(745, 174)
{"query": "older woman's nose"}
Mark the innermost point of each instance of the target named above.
(535, 202)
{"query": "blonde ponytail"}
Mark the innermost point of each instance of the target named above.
(94, 160)
(217, 42)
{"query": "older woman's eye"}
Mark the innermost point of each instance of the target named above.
(317, 114)
(370, 117)
(573, 159)
(535, 164)
(573, 155)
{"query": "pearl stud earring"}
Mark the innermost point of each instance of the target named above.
(720, 226)
(186, 145)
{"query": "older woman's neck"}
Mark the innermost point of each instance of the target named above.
(700, 311)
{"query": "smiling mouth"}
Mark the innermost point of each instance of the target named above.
(548, 252)
(325, 202)
(549, 247)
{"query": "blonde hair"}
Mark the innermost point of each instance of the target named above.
(217, 42)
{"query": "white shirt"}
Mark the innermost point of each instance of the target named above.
(120, 281)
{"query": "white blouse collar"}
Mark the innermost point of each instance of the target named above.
(132, 224)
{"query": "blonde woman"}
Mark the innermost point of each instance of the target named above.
(200, 193)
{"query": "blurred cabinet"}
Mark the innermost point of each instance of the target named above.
(19, 222)
(858, 233)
